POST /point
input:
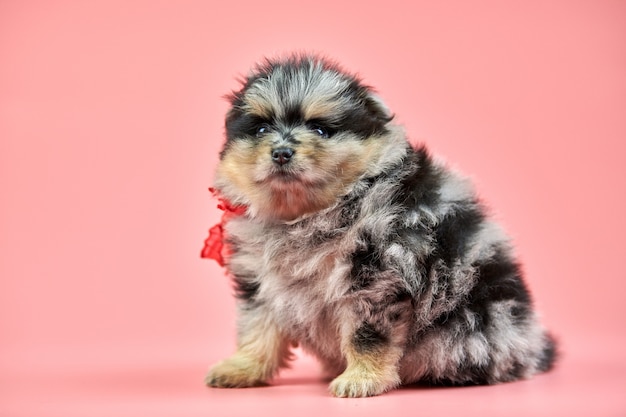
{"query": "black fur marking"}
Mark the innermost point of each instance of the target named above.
(241, 125)
(365, 120)
(366, 264)
(466, 375)
(293, 116)
(500, 279)
(365, 117)
(442, 319)
(367, 339)
(421, 184)
(349, 211)
(548, 355)
(246, 288)
(470, 375)
(402, 296)
(456, 230)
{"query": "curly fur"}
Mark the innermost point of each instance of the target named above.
(360, 247)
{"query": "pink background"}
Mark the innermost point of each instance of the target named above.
(111, 119)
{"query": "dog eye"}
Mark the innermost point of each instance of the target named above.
(320, 130)
(262, 130)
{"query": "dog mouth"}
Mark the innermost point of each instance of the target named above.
(291, 180)
(283, 174)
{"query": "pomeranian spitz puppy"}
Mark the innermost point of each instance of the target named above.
(345, 239)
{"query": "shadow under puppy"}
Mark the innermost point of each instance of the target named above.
(360, 247)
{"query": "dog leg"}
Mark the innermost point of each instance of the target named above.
(261, 351)
(373, 350)
(368, 374)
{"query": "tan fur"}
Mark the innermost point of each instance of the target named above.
(257, 106)
(261, 351)
(319, 107)
(367, 374)
(325, 170)
(361, 248)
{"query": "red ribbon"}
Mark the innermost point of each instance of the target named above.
(214, 246)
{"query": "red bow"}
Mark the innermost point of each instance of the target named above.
(214, 247)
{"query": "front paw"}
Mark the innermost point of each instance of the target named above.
(355, 384)
(236, 372)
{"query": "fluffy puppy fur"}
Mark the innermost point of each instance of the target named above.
(360, 247)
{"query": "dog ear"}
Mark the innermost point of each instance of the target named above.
(377, 112)
(376, 106)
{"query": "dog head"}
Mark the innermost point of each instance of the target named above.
(299, 133)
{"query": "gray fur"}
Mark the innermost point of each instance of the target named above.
(389, 266)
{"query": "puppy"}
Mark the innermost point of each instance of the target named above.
(347, 240)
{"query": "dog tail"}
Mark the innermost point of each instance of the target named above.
(550, 353)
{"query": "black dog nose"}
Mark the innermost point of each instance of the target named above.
(282, 156)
